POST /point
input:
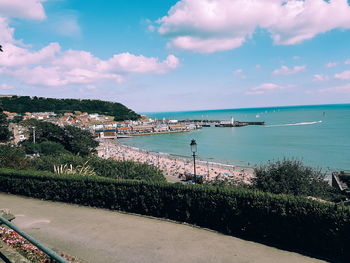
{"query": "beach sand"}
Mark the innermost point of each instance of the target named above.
(175, 168)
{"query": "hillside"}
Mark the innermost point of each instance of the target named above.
(21, 104)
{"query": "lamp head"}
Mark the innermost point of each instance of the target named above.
(193, 146)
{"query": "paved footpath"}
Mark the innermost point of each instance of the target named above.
(98, 235)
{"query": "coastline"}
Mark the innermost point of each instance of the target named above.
(156, 133)
(176, 167)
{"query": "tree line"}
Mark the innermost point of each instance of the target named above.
(22, 104)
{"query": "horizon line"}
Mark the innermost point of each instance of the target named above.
(242, 108)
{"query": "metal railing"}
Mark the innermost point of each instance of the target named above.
(46, 250)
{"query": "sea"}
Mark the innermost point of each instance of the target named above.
(317, 135)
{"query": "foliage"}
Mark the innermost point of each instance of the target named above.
(22, 246)
(22, 104)
(12, 157)
(84, 169)
(102, 167)
(44, 148)
(288, 221)
(17, 119)
(78, 141)
(26, 249)
(44, 131)
(51, 148)
(292, 177)
(73, 139)
(69, 163)
(5, 133)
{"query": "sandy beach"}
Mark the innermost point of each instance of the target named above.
(174, 166)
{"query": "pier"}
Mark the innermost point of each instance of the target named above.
(222, 123)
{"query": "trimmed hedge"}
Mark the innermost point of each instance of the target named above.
(289, 222)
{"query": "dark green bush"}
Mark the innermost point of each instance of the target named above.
(51, 148)
(288, 221)
(102, 167)
(293, 177)
(13, 157)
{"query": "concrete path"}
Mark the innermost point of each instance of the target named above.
(98, 235)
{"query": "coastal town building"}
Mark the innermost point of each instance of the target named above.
(20, 133)
(101, 126)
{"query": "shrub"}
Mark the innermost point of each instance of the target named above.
(12, 157)
(51, 148)
(102, 167)
(284, 220)
(84, 169)
(292, 177)
(43, 148)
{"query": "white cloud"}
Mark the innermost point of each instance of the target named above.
(6, 33)
(5, 87)
(29, 9)
(17, 56)
(345, 89)
(320, 77)
(343, 75)
(129, 63)
(347, 62)
(214, 25)
(267, 87)
(206, 45)
(53, 67)
(284, 70)
(331, 64)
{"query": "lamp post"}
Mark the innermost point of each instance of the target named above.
(33, 127)
(194, 150)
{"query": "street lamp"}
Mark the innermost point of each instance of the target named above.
(194, 150)
(33, 127)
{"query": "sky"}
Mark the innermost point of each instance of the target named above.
(168, 55)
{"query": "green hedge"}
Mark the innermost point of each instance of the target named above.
(286, 221)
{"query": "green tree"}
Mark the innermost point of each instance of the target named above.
(51, 148)
(21, 104)
(79, 141)
(17, 119)
(11, 157)
(44, 148)
(73, 139)
(292, 177)
(5, 133)
(44, 131)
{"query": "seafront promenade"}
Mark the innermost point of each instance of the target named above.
(100, 236)
(175, 166)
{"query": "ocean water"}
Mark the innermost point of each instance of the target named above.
(318, 135)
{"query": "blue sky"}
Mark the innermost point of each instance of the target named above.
(161, 55)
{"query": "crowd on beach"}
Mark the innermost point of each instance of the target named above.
(176, 166)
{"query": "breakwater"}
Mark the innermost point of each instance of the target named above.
(221, 123)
